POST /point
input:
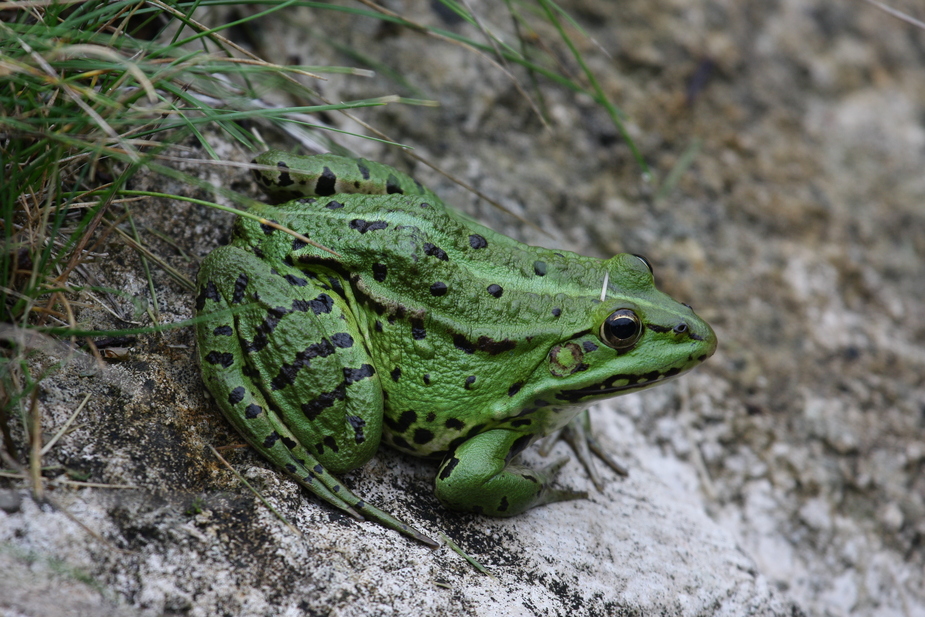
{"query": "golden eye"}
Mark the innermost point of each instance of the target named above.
(621, 330)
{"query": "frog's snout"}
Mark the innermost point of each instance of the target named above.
(699, 332)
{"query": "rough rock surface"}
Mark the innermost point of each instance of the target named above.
(783, 477)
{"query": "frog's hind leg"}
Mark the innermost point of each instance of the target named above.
(481, 476)
(241, 317)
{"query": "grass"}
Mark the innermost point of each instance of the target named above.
(93, 91)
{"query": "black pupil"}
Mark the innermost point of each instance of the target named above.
(622, 327)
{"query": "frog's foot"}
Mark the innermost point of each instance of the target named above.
(579, 436)
(327, 487)
(551, 471)
(287, 453)
(481, 477)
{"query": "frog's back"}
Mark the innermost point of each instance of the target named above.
(407, 255)
(423, 253)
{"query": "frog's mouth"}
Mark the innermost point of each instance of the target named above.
(610, 386)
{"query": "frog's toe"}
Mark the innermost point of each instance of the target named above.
(553, 468)
(563, 494)
(385, 519)
(552, 495)
(602, 454)
(579, 436)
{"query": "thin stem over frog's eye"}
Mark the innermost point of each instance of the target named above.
(621, 330)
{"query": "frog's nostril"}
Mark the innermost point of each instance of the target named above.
(681, 328)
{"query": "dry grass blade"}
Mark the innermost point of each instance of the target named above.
(35, 453)
(897, 14)
(67, 424)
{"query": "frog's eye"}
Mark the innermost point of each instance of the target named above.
(645, 261)
(621, 329)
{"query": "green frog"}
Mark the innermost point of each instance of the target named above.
(415, 326)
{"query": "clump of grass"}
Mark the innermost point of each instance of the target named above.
(90, 92)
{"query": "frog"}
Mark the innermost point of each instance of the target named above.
(357, 309)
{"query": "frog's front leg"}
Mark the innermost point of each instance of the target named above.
(284, 359)
(481, 476)
(578, 434)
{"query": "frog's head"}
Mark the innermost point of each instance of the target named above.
(638, 337)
